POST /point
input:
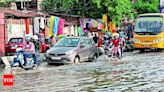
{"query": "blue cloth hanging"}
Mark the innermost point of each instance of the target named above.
(55, 26)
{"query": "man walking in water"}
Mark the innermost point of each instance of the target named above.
(95, 38)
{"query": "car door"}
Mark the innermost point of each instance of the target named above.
(89, 47)
(83, 51)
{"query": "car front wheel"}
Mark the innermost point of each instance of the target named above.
(77, 60)
(95, 57)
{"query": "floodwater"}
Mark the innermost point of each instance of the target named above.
(135, 72)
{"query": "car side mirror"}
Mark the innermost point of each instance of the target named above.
(82, 45)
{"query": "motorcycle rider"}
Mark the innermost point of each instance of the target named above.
(116, 44)
(29, 49)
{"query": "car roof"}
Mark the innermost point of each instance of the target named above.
(151, 14)
(79, 37)
(17, 38)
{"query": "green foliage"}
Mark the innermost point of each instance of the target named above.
(5, 3)
(56, 5)
(146, 6)
(77, 7)
(116, 9)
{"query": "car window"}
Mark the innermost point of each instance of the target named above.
(16, 40)
(20, 40)
(67, 42)
(89, 42)
(82, 40)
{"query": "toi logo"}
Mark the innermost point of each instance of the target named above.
(8, 80)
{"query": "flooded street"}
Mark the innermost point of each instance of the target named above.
(135, 72)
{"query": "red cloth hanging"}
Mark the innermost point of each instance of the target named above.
(27, 25)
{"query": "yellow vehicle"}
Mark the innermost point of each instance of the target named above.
(149, 31)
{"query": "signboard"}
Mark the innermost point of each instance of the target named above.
(8, 80)
(161, 6)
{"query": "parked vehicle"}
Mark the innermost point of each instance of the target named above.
(18, 60)
(148, 32)
(72, 50)
(13, 43)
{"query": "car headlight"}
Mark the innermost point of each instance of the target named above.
(14, 56)
(48, 51)
(69, 52)
(158, 40)
(136, 41)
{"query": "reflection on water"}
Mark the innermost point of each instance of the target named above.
(140, 72)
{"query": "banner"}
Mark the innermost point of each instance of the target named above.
(105, 21)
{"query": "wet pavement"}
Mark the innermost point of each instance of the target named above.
(135, 72)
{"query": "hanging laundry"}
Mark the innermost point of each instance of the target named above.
(72, 31)
(55, 26)
(42, 23)
(51, 25)
(76, 30)
(47, 31)
(82, 24)
(80, 31)
(36, 25)
(95, 24)
(27, 25)
(61, 26)
(99, 27)
(113, 27)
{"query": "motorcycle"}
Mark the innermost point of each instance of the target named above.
(112, 51)
(19, 60)
(107, 48)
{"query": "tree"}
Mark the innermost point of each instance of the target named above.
(116, 9)
(77, 7)
(57, 5)
(6, 3)
(146, 6)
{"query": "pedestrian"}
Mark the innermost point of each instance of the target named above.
(37, 48)
(50, 39)
(100, 44)
(95, 38)
(37, 44)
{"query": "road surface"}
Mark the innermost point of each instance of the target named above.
(135, 72)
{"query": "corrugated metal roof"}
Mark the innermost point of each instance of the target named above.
(19, 13)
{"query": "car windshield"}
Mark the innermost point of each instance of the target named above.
(16, 40)
(67, 42)
(149, 24)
